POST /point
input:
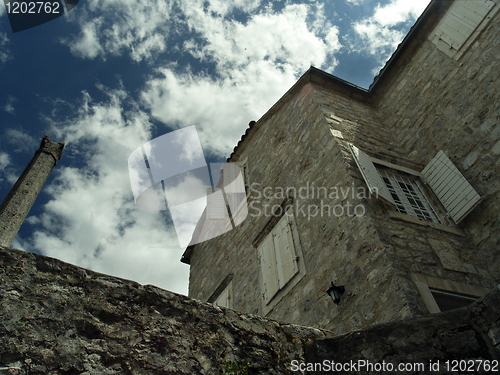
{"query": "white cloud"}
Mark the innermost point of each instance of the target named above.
(23, 142)
(356, 2)
(222, 7)
(87, 44)
(4, 160)
(220, 109)
(399, 11)
(379, 34)
(5, 54)
(285, 38)
(139, 27)
(299, 34)
(91, 220)
(8, 107)
(6, 170)
(256, 62)
(377, 38)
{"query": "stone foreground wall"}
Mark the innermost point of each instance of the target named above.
(56, 318)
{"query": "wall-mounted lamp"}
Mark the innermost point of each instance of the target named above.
(335, 292)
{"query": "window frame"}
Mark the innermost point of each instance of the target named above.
(425, 285)
(426, 181)
(404, 205)
(462, 299)
(225, 286)
(225, 297)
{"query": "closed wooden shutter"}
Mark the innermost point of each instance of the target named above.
(233, 179)
(286, 260)
(450, 186)
(234, 187)
(370, 174)
(216, 206)
(268, 268)
(223, 299)
(461, 21)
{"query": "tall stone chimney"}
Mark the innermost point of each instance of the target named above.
(21, 197)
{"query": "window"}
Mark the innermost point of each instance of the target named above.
(223, 295)
(449, 301)
(224, 299)
(280, 256)
(444, 295)
(456, 195)
(461, 24)
(278, 259)
(408, 197)
(229, 195)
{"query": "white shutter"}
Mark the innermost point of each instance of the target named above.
(450, 186)
(370, 174)
(216, 206)
(268, 268)
(223, 299)
(461, 21)
(233, 179)
(234, 187)
(285, 253)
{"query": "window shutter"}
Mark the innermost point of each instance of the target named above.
(460, 22)
(223, 299)
(450, 186)
(269, 269)
(233, 179)
(370, 174)
(216, 206)
(234, 187)
(285, 253)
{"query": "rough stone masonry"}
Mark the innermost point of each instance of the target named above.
(56, 318)
(21, 197)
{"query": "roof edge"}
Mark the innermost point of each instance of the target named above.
(403, 46)
(322, 78)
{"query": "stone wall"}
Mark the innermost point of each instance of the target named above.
(57, 318)
(375, 255)
(295, 147)
(432, 102)
(407, 247)
(425, 102)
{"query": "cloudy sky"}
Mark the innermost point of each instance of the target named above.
(112, 75)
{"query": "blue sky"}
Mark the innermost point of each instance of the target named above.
(113, 74)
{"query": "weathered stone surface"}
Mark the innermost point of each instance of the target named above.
(61, 319)
(465, 98)
(21, 197)
(425, 101)
(57, 318)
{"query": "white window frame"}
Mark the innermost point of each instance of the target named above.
(456, 195)
(409, 200)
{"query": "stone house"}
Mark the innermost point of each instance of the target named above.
(391, 192)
